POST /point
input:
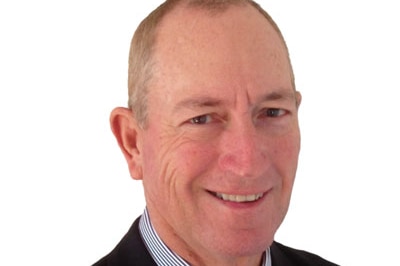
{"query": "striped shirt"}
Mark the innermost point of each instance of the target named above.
(162, 255)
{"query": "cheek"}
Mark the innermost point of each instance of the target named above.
(175, 165)
(286, 154)
(158, 168)
(194, 160)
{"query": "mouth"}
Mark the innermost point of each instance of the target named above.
(238, 198)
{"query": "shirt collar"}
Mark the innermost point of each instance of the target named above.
(161, 254)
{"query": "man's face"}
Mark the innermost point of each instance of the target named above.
(220, 149)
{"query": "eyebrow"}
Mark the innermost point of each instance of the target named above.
(275, 96)
(205, 101)
(198, 102)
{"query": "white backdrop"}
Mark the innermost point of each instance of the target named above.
(66, 197)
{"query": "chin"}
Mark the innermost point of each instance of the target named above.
(244, 245)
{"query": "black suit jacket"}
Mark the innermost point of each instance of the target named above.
(131, 251)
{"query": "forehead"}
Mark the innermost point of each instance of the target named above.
(184, 27)
(196, 49)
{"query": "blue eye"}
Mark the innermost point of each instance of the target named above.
(200, 120)
(274, 112)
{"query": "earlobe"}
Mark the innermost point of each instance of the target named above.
(127, 132)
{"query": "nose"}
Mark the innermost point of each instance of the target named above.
(243, 151)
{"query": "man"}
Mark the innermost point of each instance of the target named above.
(212, 131)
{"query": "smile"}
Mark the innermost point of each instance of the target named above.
(239, 198)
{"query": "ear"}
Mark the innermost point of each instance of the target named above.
(127, 132)
(298, 99)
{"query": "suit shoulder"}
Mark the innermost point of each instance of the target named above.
(283, 255)
(102, 262)
(130, 251)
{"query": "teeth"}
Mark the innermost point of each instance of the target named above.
(239, 198)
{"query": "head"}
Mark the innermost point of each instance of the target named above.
(212, 130)
(142, 45)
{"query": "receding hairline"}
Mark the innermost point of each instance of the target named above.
(216, 7)
(144, 43)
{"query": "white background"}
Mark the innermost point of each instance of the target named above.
(66, 197)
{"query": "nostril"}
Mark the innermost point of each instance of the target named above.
(244, 163)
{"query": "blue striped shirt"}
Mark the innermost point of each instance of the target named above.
(162, 255)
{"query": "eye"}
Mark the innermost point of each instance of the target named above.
(200, 120)
(274, 112)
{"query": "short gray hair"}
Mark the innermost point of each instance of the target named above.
(143, 42)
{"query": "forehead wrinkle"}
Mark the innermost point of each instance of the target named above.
(271, 96)
(206, 101)
(198, 102)
(280, 95)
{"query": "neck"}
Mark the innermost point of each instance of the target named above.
(231, 261)
(197, 254)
